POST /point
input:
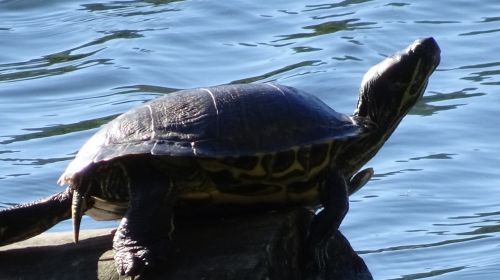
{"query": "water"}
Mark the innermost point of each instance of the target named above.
(431, 211)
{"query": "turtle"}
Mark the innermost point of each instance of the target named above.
(235, 144)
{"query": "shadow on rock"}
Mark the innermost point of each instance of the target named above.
(269, 246)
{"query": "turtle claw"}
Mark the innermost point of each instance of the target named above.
(131, 261)
(133, 256)
(76, 213)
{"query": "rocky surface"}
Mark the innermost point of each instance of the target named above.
(269, 246)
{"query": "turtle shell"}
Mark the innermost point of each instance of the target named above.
(221, 121)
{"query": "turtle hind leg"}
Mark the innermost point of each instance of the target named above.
(143, 236)
(27, 220)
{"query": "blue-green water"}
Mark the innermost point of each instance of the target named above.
(433, 208)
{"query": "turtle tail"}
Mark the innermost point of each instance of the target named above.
(27, 220)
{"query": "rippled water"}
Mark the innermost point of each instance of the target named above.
(433, 208)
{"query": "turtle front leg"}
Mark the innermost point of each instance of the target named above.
(334, 197)
(143, 236)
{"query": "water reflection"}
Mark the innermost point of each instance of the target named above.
(437, 22)
(425, 108)
(483, 76)
(146, 89)
(484, 229)
(305, 49)
(276, 72)
(411, 247)
(435, 156)
(398, 4)
(340, 4)
(490, 19)
(435, 272)
(480, 223)
(377, 176)
(55, 59)
(51, 131)
(33, 161)
(472, 33)
(68, 60)
(327, 28)
(131, 8)
(346, 57)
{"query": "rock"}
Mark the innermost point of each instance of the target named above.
(55, 256)
(269, 246)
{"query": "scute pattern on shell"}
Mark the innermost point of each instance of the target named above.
(229, 120)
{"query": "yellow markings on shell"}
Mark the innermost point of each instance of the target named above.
(295, 166)
(257, 171)
(316, 169)
(262, 173)
(302, 165)
(217, 165)
(262, 170)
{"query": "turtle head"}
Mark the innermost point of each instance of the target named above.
(392, 87)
